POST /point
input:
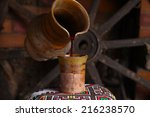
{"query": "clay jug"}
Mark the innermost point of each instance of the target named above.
(72, 73)
(48, 35)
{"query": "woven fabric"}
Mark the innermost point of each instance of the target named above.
(92, 92)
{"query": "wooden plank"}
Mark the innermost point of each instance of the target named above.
(12, 40)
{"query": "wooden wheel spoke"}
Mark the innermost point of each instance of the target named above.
(117, 17)
(125, 43)
(123, 70)
(94, 73)
(21, 12)
(46, 80)
(94, 10)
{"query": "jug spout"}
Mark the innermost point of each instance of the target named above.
(71, 15)
(48, 34)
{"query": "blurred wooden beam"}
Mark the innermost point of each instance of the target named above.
(12, 40)
(12, 46)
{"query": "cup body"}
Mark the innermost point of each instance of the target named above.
(72, 78)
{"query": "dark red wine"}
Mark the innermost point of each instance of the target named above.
(69, 22)
(72, 39)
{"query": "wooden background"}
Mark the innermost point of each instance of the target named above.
(20, 74)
